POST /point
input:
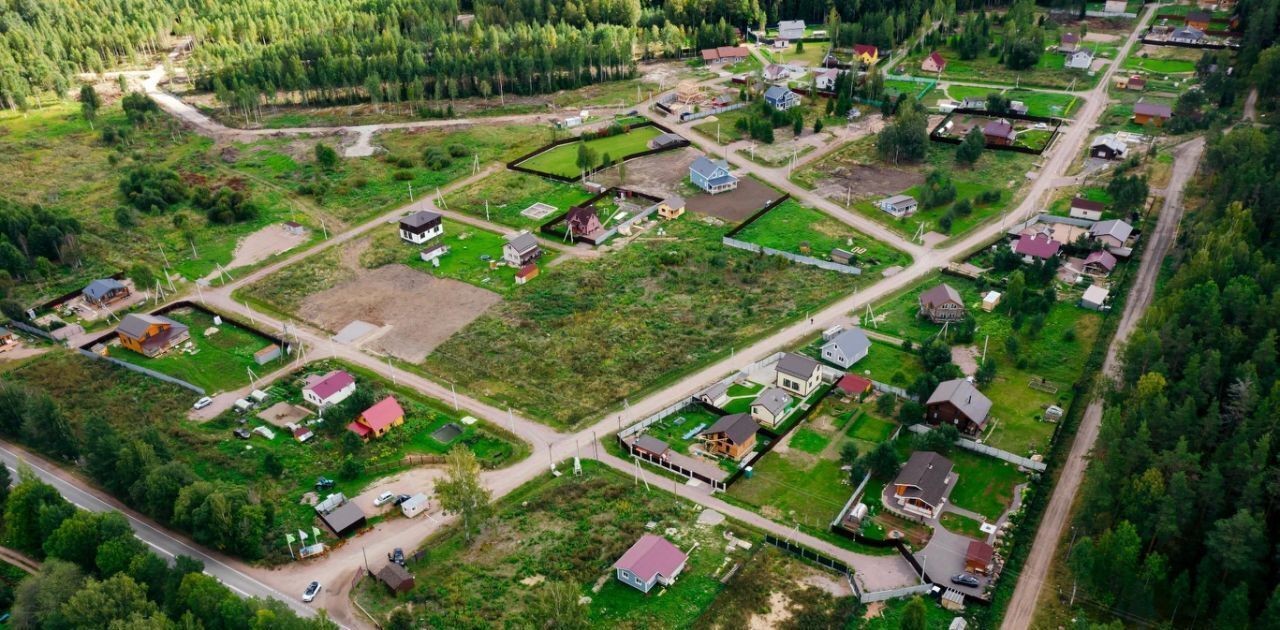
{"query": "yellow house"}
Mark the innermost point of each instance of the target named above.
(671, 208)
(150, 335)
(867, 54)
(377, 420)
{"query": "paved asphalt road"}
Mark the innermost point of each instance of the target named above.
(166, 544)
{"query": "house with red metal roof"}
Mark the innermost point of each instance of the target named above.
(853, 385)
(1038, 246)
(378, 419)
(933, 63)
(330, 389)
(652, 560)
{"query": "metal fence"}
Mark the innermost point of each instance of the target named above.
(796, 258)
(971, 445)
(807, 553)
(906, 591)
(886, 388)
(141, 370)
(31, 329)
(1110, 14)
(687, 116)
(853, 498)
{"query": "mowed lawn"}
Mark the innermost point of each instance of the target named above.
(563, 159)
(503, 196)
(985, 484)
(792, 227)
(470, 251)
(220, 359)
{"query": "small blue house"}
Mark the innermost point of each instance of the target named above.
(712, 175)
(781, 98)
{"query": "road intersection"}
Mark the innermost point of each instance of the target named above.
(549, 446)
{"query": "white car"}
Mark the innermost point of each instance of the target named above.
(202, 403)
(313, 589)
(383, 499)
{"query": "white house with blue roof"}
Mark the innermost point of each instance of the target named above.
(781, 98)
(712, 175)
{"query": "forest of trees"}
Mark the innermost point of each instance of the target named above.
(1181, 510)
(97, 574)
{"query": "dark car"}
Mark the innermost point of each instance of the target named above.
(400, 499)
(324, 483)
(397, 556)
(964, 579)
(242, 434)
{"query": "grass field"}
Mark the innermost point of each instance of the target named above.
(1038, 103)
(672, 429)
(507, 193)
(985, 484)
(809, 441)
(1159, 66)
(138, 407)
(578, 342)
(218, 362)
(790, 227)
(963, 525)
(1048, 71)
(575, 527)
(871, 429)
(467, 245)
(890, 364)
(562, 160)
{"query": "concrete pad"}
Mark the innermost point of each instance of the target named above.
(354, 331)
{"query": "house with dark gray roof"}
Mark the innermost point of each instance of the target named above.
(104, 291)
(651, 446)
(798, 374)
(959, 403)
(1111, 233)
(344, 519)
(733, 436)
(899, 205)
(421, 226)
(846, 348)
(922, 486)
(715, 395)
(771, 406)
(521, 249)
(781, 97)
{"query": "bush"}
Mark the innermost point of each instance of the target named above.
(458, 150)
(403, 176)
(126, 217)
(152, 189)
(404, 162)
(436, 158)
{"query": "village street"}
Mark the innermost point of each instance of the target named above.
(551, 447)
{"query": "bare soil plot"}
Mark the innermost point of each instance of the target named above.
(863, 181)
(263, 244)
(657, 175)
(422, 310)
(734, 206)
(284, 413)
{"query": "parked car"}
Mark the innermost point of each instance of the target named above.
(242, 434)
(324, 483)
(401, 499)
(397, 556)
(202, 403)
(965, 579)
(383, 499)
(313, 589)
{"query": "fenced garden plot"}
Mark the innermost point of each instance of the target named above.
(582, 524)
(1031, 134)
(559, 159)
(553, 349)
(472, 252)
(1054, 347)
(1047, 104)
(505, 196)
(796, 229)
(216, 358)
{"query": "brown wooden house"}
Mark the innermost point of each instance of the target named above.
(733, 436)
(942, 304)
(958, 402)
(150, 335)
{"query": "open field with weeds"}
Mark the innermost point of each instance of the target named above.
(563, 159)
(556, 349)
(577, 526)
(792, 227)
(502, 196)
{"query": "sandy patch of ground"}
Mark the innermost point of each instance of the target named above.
(779, 612)
(832, 584)
(1101, 37)
(874, 609)
(422, 310)
(263, 244)
(283, 413)
(966, 357)
(863, 181)
(21, 351)
(658, 175)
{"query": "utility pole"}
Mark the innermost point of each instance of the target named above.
(410, 192)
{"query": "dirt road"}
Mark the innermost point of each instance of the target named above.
(1031, 581)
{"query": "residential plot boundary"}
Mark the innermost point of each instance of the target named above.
(992, 451)
(937, 134)
(515, 164)
(729, 241)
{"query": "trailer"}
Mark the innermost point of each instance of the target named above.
(414, 505)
